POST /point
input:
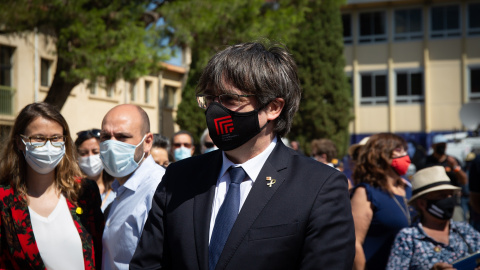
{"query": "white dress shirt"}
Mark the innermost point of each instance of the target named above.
(128, 214)
(252, 168)
(57, 238)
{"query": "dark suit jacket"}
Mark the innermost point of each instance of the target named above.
(303, 221)
(18, 246)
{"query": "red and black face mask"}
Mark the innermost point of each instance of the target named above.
(229, 129)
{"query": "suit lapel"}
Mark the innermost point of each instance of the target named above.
(202, 212)
(259, 196)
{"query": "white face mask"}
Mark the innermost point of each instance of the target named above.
(44, 159)
(92, 165)
(118, 157)
(182, 153)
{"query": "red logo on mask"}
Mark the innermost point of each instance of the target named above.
(224, 125)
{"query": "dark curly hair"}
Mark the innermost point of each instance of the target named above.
(375, 157)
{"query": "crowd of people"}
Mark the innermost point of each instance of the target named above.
(121, 197)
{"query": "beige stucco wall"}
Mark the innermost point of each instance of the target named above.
(372, 119)
(409, 117)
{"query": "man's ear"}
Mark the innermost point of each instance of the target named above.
(148, 142)
(274, 108)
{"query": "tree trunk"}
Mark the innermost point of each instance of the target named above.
(60, 88)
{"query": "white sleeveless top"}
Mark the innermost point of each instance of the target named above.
(57, 238)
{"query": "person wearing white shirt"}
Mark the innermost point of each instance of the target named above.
(124, 150)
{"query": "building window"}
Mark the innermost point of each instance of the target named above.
(347, 28)
(445, 21)
(133, 91)
(148, 86)
(6, 66)
(6, 81)
(372, 27)
(473, 19)
(408, 24)
(373, 88)
(409, 87)
(169, 96)
(110, 90)
(93, 88)
(45, 72)
(474, 83)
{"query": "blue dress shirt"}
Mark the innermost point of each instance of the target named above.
(128, 214)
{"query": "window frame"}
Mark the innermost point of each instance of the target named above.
(471, 31)
(409, 36)
(372, 38)
(93, 89)
(110, 90)
(47, 73)
(147, 91)
(9, 66)
(170, 99)
(441, 34)
(409, 99)
(348, 40)
(367, 101)
(472, 96)
(133, 91)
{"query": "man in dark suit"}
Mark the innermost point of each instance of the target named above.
(293, 212)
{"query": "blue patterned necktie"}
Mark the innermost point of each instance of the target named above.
(226, 216)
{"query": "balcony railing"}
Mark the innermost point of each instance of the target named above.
(6, 100)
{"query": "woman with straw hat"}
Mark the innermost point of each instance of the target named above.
(435, 242)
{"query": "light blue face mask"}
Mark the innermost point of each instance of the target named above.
(118, 157)
(182, 153)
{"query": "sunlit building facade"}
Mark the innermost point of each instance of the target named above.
(412, 65)
(27, 66)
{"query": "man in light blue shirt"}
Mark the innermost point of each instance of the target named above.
(126, 141)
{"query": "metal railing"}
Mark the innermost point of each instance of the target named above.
(6, 100)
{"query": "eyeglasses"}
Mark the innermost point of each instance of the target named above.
(209, 144)
(39, 140)
(178, 145)
(231, 101)
(93, 132)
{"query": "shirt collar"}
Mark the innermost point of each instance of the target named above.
(252, 166)
(135, 179)
(423, 235)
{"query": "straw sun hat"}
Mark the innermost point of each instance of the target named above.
(428, 180)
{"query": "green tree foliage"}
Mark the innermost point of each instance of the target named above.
(209, 26)
(325, 108)
(93, 38)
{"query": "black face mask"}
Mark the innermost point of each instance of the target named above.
(440, 149)
(442, 209)
(229, 129)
